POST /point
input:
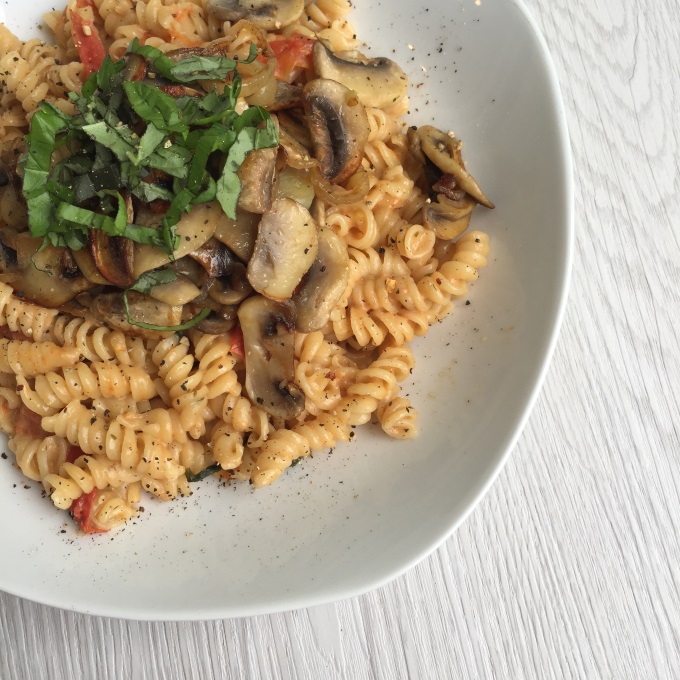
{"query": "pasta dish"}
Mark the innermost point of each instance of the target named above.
(218, 238)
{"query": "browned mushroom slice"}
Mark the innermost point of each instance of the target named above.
(231, 287)
(448, 219)
(323, 285)
(113, 257)
(339, 128)
(5, 177)
(135, 67)
(87, 266)
(257, 179)
(194, 229)
(286, 245)
(444, 151)
(218, 322)
(377, 82)
(109, 308)
(47, 276)
(293, 126)
(267, 14)
(269, 344)
(239, 234)
(214, 257)
(227, 282)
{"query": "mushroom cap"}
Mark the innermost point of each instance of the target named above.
(266, 14)
(109, 308)
(239, 234)
(269, 345)
(448, 219)
(338, 125)
(443, 150)
(286, 245)
(324, 283)
(378, 82)
(194, 229)
(257, 179)
(48, 276)
(114, 257)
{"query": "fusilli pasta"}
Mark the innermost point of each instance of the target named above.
(99, 413)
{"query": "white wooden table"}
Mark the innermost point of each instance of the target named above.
(569, 568)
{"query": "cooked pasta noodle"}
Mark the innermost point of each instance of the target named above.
(99, 411)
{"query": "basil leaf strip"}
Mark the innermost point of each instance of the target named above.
(203, 474)
(165, 329)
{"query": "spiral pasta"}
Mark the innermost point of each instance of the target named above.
(22, 317)
(53, 390)
(398, 418)
(83, 476)
(96, 342)
(186, 393)
(38, 457)
(98, 415)
(29, 358)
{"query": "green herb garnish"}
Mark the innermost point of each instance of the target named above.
(127, 134)
(206, 472)
(144, 284)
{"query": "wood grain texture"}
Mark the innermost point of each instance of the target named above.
(569, 567)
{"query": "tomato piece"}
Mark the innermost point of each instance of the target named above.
(80, 511)
(291, 54)
(29, 423)
(87, 41)
(236, 342)
(73, 453)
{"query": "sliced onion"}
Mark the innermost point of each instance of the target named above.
(355, 189)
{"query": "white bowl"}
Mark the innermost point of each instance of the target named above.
(341, 524)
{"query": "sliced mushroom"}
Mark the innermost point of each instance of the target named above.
(135, 67)
(218, 323)
(109, 308)
(193, 229)
(339, 127)
(257, 179)
(378, 82)
(266, 14)
(222, 318)
(323, 285)
(181, 291)
(114, 257)
(214, 257)
(239, 234)
(269, 344)
(286, 245)
(86, 264)
(231, 287)
(190, 269)
(9, 261)
(448, 219)
(47, 276)
(444, 151)
(5, 177)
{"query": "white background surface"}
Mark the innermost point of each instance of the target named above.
(568, 568)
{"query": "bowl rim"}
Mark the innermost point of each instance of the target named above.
(331, 593)
(566, 162)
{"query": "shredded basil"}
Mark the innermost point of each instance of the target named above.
(144, 284)
(203, 474)
(127, 134)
